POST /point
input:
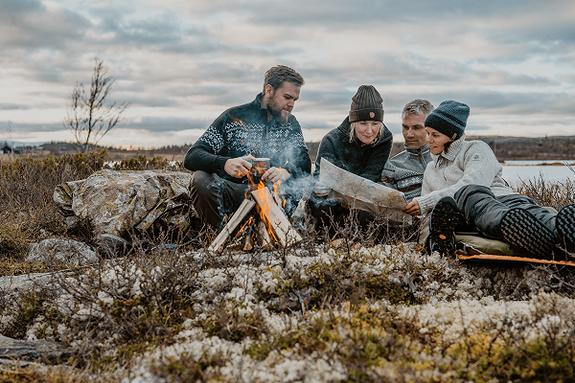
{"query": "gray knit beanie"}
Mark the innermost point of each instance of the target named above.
(449, 118)
(366, 105)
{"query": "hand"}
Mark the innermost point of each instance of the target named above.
(412, 208)
(238, 167)
(320, 189)
(276, 175)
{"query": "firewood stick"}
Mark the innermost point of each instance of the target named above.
(217, 245)
(280, 225)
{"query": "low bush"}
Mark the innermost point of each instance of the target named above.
(368, 307)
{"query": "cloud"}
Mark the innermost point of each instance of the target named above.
(35, 24)
(183, 62)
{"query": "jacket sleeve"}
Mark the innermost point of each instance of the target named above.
(378, 157)
(480, 166)
(325, 150)
(205, 152)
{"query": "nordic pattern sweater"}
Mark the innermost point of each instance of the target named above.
(244, 130)
(404, 171)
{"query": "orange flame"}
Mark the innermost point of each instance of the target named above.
(264, 208)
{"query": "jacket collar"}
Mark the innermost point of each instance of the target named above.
(424, 148)
(453, 150)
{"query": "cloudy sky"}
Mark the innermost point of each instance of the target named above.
(180, 63)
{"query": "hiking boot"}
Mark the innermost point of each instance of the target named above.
(445, 217)
(566, 227)
(522, 229)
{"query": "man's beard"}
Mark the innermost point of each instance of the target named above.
(276, 111)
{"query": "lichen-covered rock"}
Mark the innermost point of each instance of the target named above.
(114, 202)
(61, 250)
(45, 351)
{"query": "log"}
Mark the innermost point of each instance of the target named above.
(362, 194)
(273, 215)
(264, 238)
(217, 245)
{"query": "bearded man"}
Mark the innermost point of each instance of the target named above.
(265, 127)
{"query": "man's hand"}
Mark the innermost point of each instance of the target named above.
(276, 175)
(237, 167)
(412, 208)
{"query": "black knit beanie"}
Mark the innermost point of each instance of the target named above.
(449, 118)
(366, 105)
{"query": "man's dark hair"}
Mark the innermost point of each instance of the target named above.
(276, 76)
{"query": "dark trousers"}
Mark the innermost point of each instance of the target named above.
(214, 197)
(481, 208)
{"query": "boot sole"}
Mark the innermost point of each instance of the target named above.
(444, 219)
(521, 229)
(566, 227)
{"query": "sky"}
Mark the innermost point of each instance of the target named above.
(180, 63)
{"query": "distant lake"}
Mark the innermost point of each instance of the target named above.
(516, 171)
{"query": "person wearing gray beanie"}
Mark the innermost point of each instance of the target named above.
(463, 186)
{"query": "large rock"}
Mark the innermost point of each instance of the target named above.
(41, 350)
(61, 250)
(114, 202)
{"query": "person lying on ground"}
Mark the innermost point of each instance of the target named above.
(265, 127)
(463, 186)
(361, 144)
(404, 171)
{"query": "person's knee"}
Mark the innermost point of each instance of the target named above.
(201, 182)
(462, 196)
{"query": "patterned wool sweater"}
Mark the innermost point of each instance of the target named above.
(404, 171)
(244, 130)
(465, 163)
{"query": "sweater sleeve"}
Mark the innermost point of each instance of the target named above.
(205, 153)
(378, 157)
(480, 166)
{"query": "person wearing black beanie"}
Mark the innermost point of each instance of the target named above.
(361, 144)
(463, 186)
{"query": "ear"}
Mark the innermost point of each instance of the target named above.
(269, 89)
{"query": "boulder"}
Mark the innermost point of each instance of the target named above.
(60, 250)
(39, 350)
(115, 202)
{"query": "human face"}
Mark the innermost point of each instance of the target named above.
(413, 129)
(367, 131)
(280, 102)
(436, 140)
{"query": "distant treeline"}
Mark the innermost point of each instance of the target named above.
(505, 148)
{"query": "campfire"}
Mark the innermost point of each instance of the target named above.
(259, 222)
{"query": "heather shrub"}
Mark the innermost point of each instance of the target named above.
(27, 210)
(349, 304)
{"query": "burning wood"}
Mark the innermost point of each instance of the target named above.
(267, 228)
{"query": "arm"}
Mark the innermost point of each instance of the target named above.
(205, 153)
(325, 150)
(480, 166)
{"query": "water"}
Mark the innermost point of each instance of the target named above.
(515, 172)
